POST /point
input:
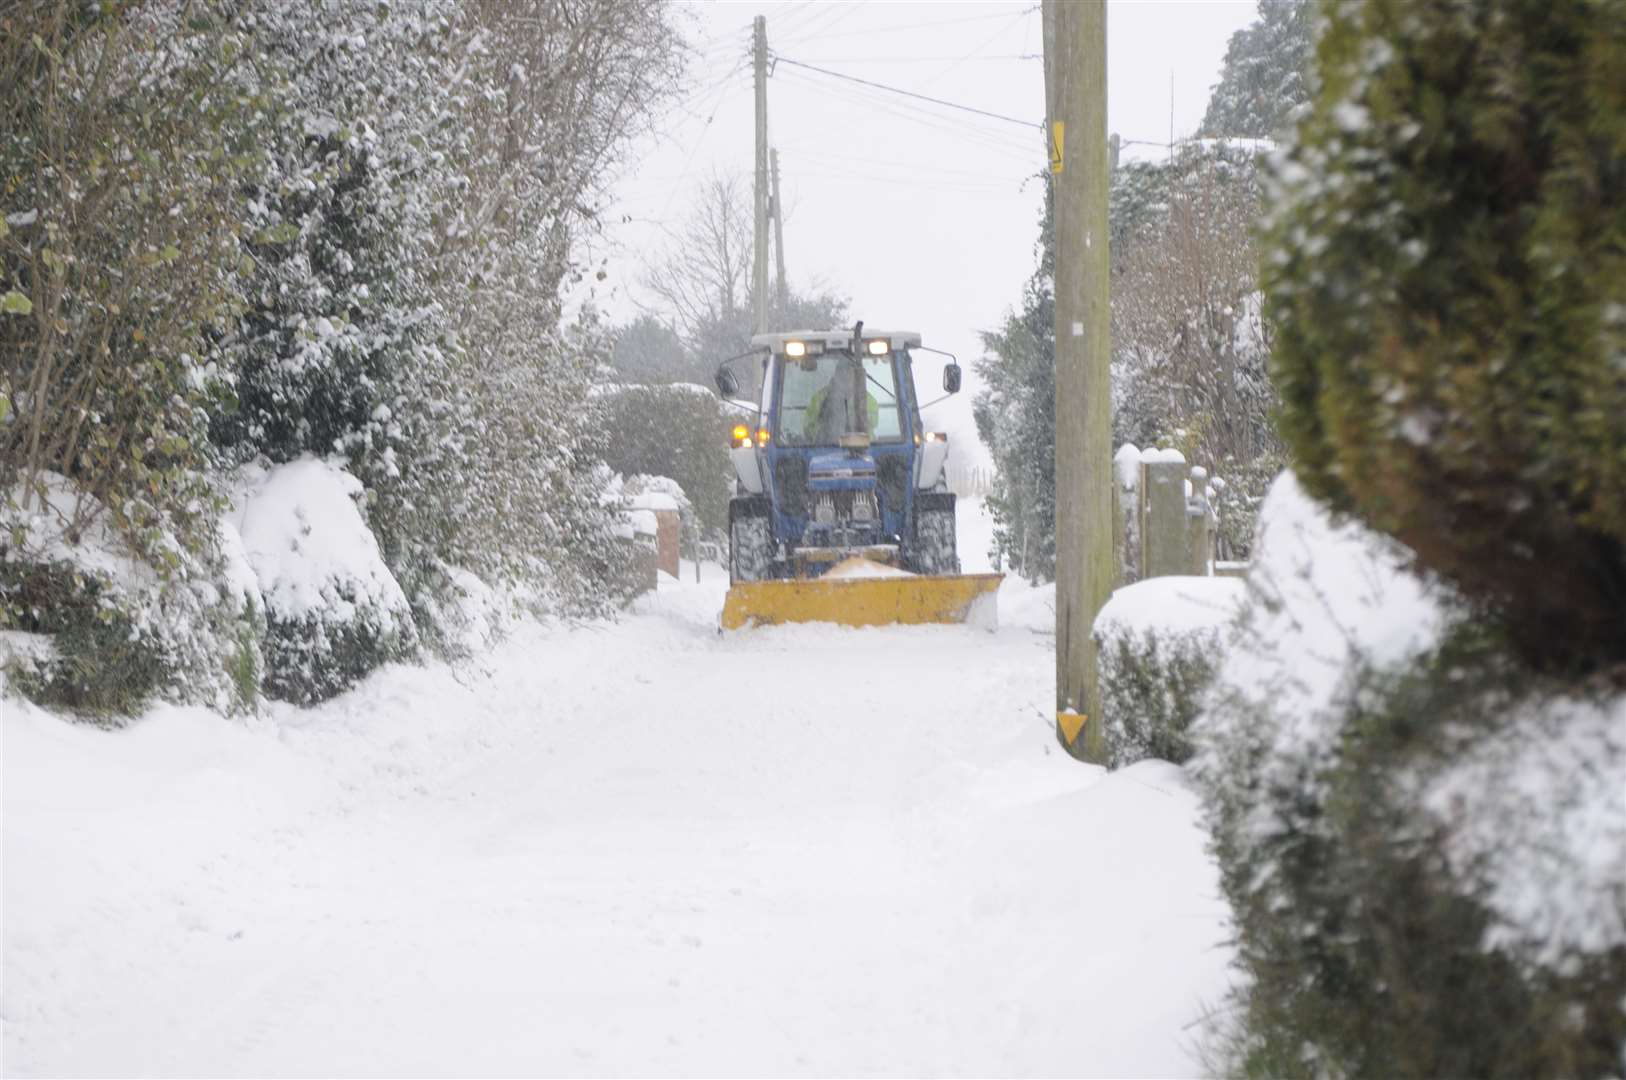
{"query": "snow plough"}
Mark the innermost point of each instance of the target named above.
(841, 511)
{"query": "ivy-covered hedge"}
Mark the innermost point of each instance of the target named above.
(1446, 269)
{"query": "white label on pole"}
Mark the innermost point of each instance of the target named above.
(1087, 241)
(1078, 329)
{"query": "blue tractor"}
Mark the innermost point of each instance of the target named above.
(839, 483)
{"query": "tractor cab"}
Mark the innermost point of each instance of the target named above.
(835, 461)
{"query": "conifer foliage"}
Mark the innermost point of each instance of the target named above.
(1414, 779)
(1016, 419)
(1448, 281)
(1266, 73)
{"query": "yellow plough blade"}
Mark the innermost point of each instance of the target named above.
(862, 601)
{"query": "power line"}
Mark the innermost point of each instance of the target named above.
(908, 93)
(921, 25)
(962, 136)
(959, 135)
(890, 60)
(838, 13)
(699, 96)
(987, 42)
(804, 152)
(1000, 139)
(722, 88)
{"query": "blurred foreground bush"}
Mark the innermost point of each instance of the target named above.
(1446, 270)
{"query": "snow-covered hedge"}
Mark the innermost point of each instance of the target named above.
(90, 624)
(333, 611)
(1159, 641)
(1423, 840)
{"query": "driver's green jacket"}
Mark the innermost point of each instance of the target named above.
(815, 410)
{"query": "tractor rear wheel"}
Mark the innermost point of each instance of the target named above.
(935, 550)
(750, 540)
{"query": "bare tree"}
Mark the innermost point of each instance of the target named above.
(704, 277)
(700, 284)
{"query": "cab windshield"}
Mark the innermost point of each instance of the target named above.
(832, 394)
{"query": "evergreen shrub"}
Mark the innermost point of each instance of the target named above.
(1158, 645)
(1418, 833)
(678, 431)
(100, 664)
(1367, 913)
(332, 610)
(1446, 268)
(312, 658)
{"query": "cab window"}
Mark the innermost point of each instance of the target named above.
(819, 402)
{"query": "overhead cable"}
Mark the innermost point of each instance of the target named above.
(933, 24)
(1030, 124)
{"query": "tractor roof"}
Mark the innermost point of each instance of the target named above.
(835, 339)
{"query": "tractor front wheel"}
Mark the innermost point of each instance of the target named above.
(935, 549)
(750, 540)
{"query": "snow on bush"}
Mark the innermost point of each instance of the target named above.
(466, 614)
(1420, 836)
(1159, 641)
(1324, 600)
(333, 610)
(93, 626)
(1537, 820)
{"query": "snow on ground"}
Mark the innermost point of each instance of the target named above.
(858, 567)
(630, 848)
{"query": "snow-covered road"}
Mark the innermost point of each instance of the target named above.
(638, 848)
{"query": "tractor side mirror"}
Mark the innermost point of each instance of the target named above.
(951, 379)
(727, 385)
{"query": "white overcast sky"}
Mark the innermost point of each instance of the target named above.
(925, 217)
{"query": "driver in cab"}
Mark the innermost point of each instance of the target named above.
(828, 415)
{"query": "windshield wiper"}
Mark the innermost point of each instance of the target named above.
(890, 396)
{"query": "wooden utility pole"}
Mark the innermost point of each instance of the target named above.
(781, 289)
(1076, 96)
(759, 220)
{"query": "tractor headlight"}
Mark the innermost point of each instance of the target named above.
(795, 348)
(879, 348)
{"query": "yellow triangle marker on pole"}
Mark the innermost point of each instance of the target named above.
(1058, 137)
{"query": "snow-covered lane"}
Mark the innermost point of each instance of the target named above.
(634, 848)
